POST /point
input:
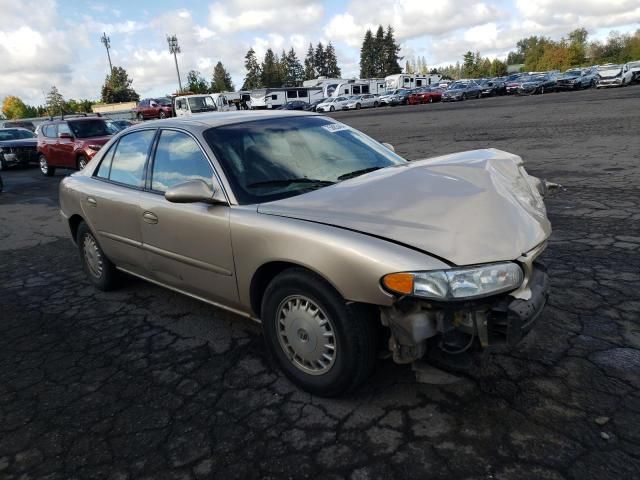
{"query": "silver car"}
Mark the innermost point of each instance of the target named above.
(326, 236)
(362, 101)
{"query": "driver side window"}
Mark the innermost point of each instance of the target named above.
(178, 159)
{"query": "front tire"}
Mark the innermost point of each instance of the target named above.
(358, 106)
(332, 109)
(323, 345)
(464, 96)
(162, 115)
(82, 162)
(46, 170)
(375, 104)
(140, 117)
(99, 269)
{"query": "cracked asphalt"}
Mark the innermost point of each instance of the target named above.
(145, 383)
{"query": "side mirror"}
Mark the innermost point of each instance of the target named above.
(389, 146)
(193, 191)
(65, 135)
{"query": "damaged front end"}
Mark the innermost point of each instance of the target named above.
(443, 330)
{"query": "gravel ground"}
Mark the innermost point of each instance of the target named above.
(144, 383)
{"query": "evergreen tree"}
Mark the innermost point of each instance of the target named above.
(378, 53)
(117, 87)
(271, 70)
(196, 83)
(309, 64)
(332, 69)
(294, 71)
(283, 69)
(55, 101)
(390, 51)
(253, 79)
(424, 70)
(367, 56)
(221, 79)
(320, 60)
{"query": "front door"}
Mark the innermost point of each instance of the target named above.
(188, 246)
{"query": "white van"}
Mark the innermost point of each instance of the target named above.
(186, 105)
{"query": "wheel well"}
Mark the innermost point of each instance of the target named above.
(263, 277)
(74, 223)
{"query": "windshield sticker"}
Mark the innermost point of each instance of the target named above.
(335, 127)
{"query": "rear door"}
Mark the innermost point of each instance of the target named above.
(112, 202)
(188, 246)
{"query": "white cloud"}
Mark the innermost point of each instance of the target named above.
(284, 15)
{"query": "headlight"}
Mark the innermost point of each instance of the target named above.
(456, 283)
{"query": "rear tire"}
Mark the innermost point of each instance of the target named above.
(46, 170)
(99, 269)
(299, 309)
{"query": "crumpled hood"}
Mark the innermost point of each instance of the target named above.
(610, 73)
(472, 207)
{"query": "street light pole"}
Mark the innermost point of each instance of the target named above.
(106, 41)
(174, 48)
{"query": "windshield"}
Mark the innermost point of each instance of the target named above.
(90, 128)
(572, 73)
(165, 102)
(266, 160)
(201, 104)
(15, 134)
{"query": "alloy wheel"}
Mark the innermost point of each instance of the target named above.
(306, 335)
(44, 166)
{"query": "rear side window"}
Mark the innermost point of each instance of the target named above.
(105, 165)
(127, 165)
(178, 159)
(49, 131)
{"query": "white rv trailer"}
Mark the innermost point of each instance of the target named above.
(360, 87)
(274, 97)
(328, 85)
(405, 80)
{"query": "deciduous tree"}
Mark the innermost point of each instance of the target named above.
(117, 87)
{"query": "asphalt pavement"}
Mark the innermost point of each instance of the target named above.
(145, 383)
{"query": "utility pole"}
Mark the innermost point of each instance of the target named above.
(174, 48)
(106, 41)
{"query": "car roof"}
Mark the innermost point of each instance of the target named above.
(204, 121)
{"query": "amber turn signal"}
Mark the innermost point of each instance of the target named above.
(399, 282)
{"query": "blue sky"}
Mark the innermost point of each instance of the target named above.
(45, 42)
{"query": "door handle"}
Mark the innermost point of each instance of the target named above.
(150, 217)
(92, 201)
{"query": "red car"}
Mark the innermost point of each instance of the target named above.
(70, 142)
(153, 108)
(425, 95)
